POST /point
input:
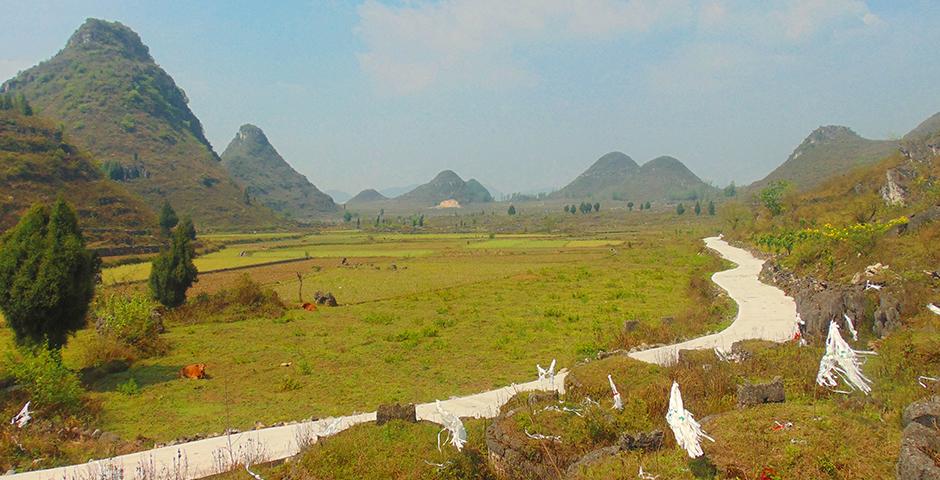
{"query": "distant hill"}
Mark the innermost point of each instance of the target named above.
(827, 152)
(254, 163)
(616, 176)
(447, 185)
(116, 103)
(366, 196)
(38, 164)
(338, 196)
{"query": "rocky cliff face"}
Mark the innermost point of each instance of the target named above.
(819, 302)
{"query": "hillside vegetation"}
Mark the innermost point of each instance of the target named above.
(37, 165)
(828, 152)
(116, 103)
(266, 177)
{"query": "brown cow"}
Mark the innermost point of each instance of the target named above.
(194, 371)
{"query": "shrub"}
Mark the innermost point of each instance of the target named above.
(246, 299)
(47, 276)
(131, 320)
(50, 385)
(129, 387)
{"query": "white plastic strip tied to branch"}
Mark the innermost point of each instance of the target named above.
(851, 326)
(688, 432)
(618, 402)
(453, 426)
(841, 361)
(547, 373)
(933, 308)
(22, 418)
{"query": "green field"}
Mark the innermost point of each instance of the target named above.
(422, 317)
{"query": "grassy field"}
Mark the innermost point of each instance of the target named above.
(421, 317)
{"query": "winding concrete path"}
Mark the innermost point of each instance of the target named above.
(764, 312)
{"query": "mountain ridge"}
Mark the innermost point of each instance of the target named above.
(116, 103)
(256, 165)
(617, 176)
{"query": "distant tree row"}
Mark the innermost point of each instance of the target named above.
(680, 208)
(584, 208)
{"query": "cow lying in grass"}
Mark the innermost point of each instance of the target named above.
(194, 371)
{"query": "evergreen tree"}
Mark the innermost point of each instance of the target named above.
(512, 210)
(597, 206)
(711, 208)
(648, 205)
(347, 217)
(566, 208)
(47, 276)
(731, 190)
(168, 218)
(173, 271)
(698, 208)
(188, 228)
(680, 209)
(630, 206)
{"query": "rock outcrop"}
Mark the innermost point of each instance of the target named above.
(387, 413)
(920, 441)
(819, 302)
(750, 395)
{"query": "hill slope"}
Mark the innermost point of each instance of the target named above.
(116, 103)
(367, 195)
(827, 152)
(254, 163)
(37, 165)
(617, 176)
(447, 185)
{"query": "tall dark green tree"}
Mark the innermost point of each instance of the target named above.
(698, 208)
(168, 218)
(630, 206)
(680, 209)
(512, 210)
(47, 276)
(173, 271)
(188, 228)
(597, 206)
(711, 208)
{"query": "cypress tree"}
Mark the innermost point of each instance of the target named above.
(168, 218)
(188, 228)
(47, 276)
(173, 271)
(711, 208)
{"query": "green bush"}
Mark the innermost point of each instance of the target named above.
(50, 385)
(129, 387)
(132, 320)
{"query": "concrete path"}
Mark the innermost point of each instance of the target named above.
(763, 312)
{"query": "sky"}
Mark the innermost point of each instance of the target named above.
(522, 94)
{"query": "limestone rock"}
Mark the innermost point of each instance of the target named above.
(925, 412)
(756, 394)
(919, 446)
(386, 413)
(646, 441)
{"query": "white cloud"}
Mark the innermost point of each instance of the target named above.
(420, 44)
(803, 18)
(412, 46)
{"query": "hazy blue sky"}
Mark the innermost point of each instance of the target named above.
(523, 94)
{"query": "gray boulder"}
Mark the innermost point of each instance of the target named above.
(646, 441)
(919, 446)
(386, 413)
(925, 412)
(756, 394)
